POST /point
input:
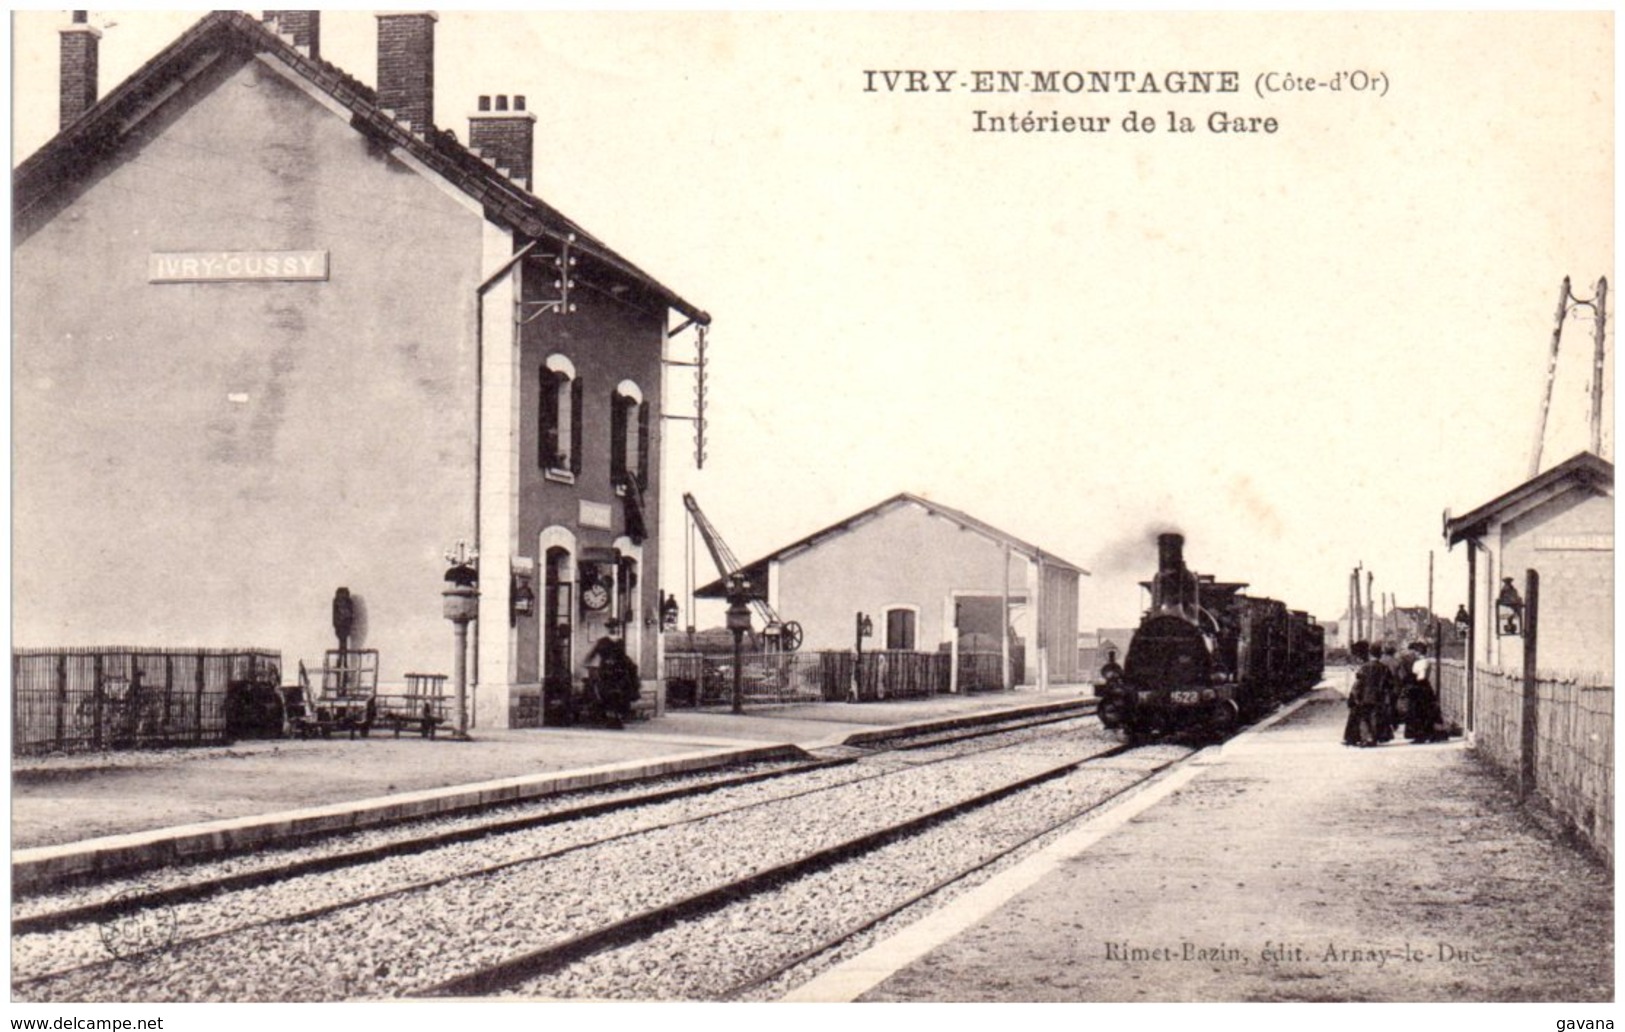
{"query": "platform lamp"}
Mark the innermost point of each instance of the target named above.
(864, 627)
(462, 605)
(738, 624)
(1508, 610)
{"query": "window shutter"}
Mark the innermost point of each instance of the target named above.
(643, 445)
(547, 419)
(617, 438)
(577, 431)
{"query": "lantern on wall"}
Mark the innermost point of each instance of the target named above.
(522, 599)
(1508, 610)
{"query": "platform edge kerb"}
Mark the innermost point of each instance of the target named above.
(43, 866)
(1082, 706)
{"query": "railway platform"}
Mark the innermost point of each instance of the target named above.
(1280, 866)
(71, 814)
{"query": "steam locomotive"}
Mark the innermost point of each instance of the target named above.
(1206, 657)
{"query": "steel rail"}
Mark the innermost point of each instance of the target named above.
(746, 985)
(515, 970)
(129, 903)
(126, 905)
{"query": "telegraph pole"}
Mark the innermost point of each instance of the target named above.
(1370, 606)
(1601, 308)
(1566, 303)
(1430, 589)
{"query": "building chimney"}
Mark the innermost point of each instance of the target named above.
(406, 67)
(304, 26)
(505, 136)
(80, 44)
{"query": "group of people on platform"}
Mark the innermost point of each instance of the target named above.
(1390, 688)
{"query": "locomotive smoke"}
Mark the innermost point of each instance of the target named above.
(1134, 553)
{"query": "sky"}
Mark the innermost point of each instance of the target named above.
(1297, 347)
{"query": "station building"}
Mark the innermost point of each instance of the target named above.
(276, 333)
(929, 578)
(1561, 525)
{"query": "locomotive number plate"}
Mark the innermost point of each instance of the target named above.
(1185, 698)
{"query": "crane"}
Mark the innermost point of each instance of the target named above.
(785, 634)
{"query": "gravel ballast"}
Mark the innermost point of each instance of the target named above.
(405, 942)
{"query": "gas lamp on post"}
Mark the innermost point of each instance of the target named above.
(738, 624)
(862, 627)
(462, 605)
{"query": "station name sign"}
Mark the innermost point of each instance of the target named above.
(235, 266)
(1575, 543)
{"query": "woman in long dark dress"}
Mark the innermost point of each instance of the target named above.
(1424, 721)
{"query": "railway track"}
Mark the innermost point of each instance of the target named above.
(126, 905)
(520, 970)
(767, 938)
(35, 912)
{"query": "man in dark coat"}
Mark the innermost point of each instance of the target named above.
(1366, 698)
(613, 676)
(1387, 714)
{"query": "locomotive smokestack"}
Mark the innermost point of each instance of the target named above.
(1173, 589)
(1170, 552)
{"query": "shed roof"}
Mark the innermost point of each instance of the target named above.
(756, 572)
(1585, 471)
(71, 153)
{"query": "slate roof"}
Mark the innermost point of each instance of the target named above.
(1584, 470)
(97, 133)
(756, 572)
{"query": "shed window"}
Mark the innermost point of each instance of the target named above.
(900, 629)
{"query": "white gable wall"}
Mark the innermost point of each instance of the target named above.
(901, 557)
(1568, 540)
(203, 464)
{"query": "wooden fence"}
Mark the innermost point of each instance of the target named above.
(78, 699)
(1567, 760)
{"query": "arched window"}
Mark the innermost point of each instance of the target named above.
(559, 420)
(629, 435)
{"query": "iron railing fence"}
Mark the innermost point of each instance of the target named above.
(766, 678)
(89, 698)
(779, 678)
(980, 671)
